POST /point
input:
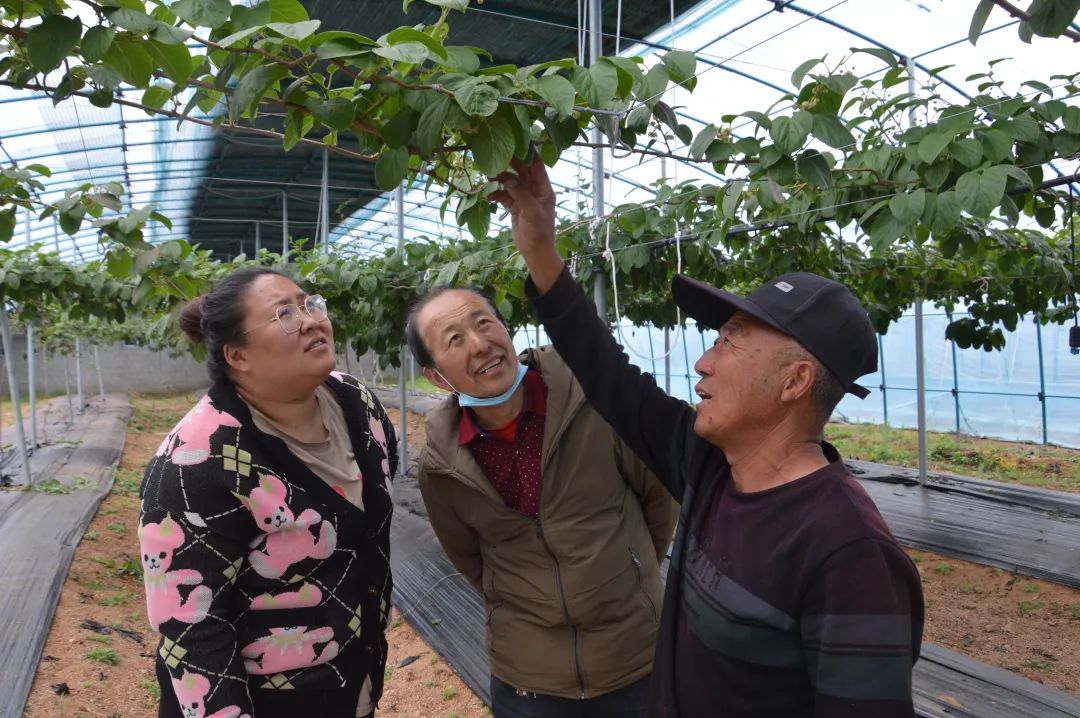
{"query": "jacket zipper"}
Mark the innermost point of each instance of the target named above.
(641, 587)
(566, 609)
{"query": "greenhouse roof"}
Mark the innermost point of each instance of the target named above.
(225, 190)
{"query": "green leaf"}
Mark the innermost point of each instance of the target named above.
(7, 224)
(596, 84)
(462, 59)
(51, 41)
(332, 45)
(337, 113)
(429, 127)
(297, 124)
(933, 144)
(156, 96)
(1051, 18)
(908, 206)
(287, 11)
(412, 53)
(946, 213)
(477, 98)
(252, 87)
(790, 133)
(759, 117)
(840, 84)
(169, 35)
(39, 169)
(391, 168)
(96, 42)
(1070, 120)
(174, 59)
(133, 20)
(968, 152)
(980, 191)
(409, 35)
(107, 78)
(202, 13)
(493, 146)
(681, 66)
(997, 145)
(978, 20)
(814, 168)
(799, 75)
(702, 141)
(883, 55)
(446, 275)
(1022, 178)
(479, 223)
(128, 57)
(830, 129)
(654, 85)
(556, 91)
(295, 30)
(238, 36)
(459, 5)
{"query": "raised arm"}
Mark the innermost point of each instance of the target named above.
(657, 427)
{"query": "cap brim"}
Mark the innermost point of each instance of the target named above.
(712, 307)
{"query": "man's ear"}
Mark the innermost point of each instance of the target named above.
(798, 381)
(437, 379)
(236, 357)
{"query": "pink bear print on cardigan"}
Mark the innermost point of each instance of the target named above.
(191, 690)
(379, 435)
(163, 600)
(192, 435)
(287, 649)
(289, 539)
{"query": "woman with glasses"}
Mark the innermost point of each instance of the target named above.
(266, 517)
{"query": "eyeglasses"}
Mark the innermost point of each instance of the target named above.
(290, 318)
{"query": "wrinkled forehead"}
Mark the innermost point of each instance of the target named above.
(452, 310)
(748, 325)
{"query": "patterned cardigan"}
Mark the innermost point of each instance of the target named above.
(270, 590)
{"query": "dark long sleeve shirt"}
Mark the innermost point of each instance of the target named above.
(795, 601)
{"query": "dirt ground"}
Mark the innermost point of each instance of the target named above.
(1023, 625)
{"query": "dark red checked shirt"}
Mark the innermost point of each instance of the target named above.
(510, 456)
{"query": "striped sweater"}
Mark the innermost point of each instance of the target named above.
(270, 590)
(791, 602)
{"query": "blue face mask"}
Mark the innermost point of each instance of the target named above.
(465, 400)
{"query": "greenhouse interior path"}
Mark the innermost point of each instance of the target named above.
(40, 529)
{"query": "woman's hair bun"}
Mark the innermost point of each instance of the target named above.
(191, 319)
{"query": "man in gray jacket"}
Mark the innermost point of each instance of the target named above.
(545, 511)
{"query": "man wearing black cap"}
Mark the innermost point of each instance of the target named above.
(787, 595)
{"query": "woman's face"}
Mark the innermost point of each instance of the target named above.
(271, 362)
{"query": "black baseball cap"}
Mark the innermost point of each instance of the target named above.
(820, 314)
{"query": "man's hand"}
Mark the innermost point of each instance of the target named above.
(531, 201)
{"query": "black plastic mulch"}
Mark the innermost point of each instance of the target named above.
(39, 531)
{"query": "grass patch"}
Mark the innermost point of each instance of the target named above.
(90, 536)
(107, 656)
(118, 529)
(153, 692)
(130, 568)
(966, 588)
(1029, 607)
(98, 639)
(944, 568)
(449, 693)
(1049, 467)
(127, 482)
(117, 599)
(1038, 665)
(1029, 588)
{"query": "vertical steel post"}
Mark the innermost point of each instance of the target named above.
(97, 368)
(595, 51)
(31, 377)
(13, 388)
(78, 373)
(67, 389)
(1042, 379)
(403, 433)
(324, 205)
(667, 360)
(884, 384)
(258, 237)
(956, 377)
(686, 359)
(284, 227)
(920, 369)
